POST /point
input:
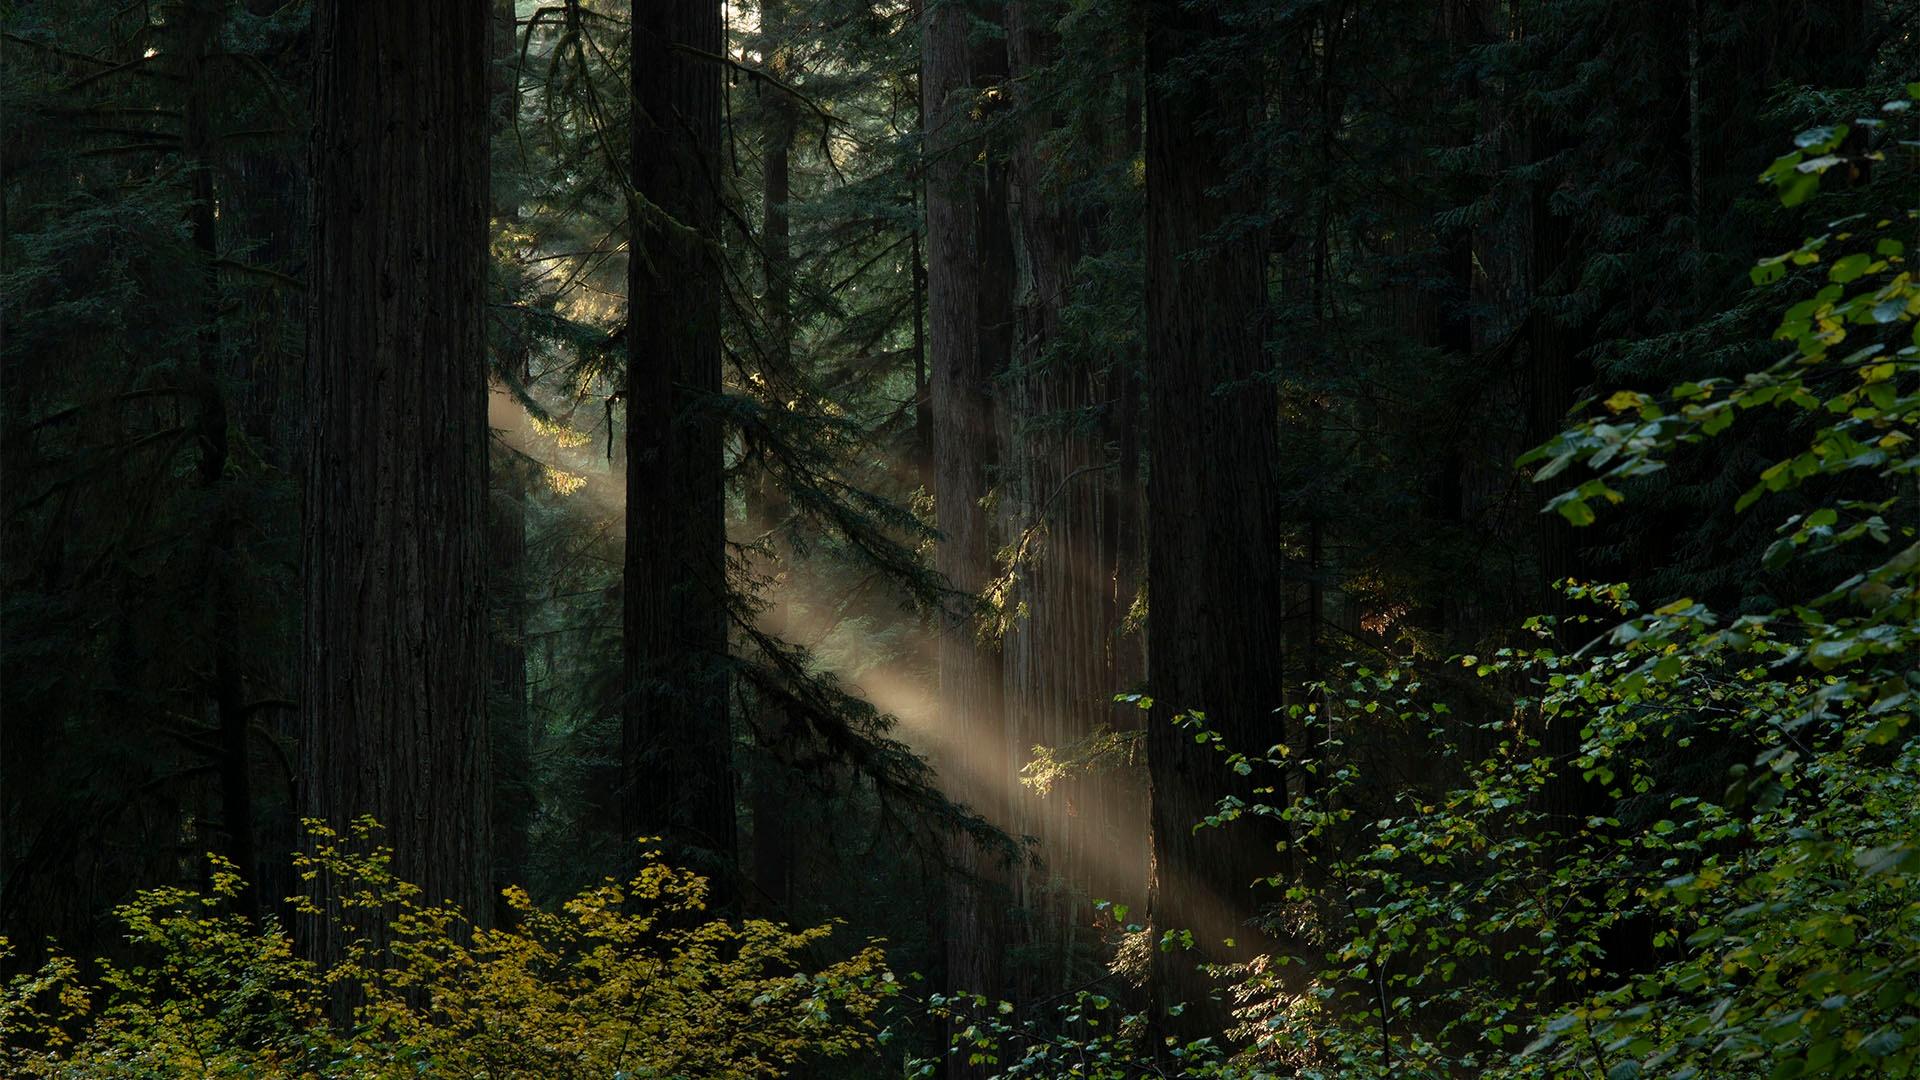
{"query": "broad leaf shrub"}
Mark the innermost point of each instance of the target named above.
(627, 980)
(1693, 848)
(1768, 916)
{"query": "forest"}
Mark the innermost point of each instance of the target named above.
(1096, 539)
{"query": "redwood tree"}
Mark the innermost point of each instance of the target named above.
(677, 778)
(1214, 579)
(967, 323)
(1062, 520)
(395, 649)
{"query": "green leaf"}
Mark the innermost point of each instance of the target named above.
(1797, 188)
(1850, 267)
(1782, 166)
(1554, 467)
(1577, 511)
(1778, 554)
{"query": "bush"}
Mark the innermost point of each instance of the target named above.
(625, 980)
(1595, 897)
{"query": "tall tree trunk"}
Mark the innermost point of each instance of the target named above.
(512, 733)
(1556, 367)
(1058, 678)
(773, 835)
(1123, 795)
(267, 191)
(1500, 264)
(233, 761)
(1213, 534)
(922, 386)
(395, 650)
(677, 748)
(965, 252)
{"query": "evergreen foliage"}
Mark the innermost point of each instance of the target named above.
(1521, 413)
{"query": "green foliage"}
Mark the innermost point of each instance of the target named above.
(1082, 1034)
(626, 979)
(1493, 927)
(1102, 751)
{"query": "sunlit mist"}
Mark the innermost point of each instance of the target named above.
(569, 461)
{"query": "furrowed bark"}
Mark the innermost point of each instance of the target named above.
(394, 653)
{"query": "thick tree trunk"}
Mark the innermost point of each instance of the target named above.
(1215, 591)
(966, 249)
(395, 650)
(1058, 677)
(677, 748)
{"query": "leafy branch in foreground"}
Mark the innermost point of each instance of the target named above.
(624, 979)
(1772, 899)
